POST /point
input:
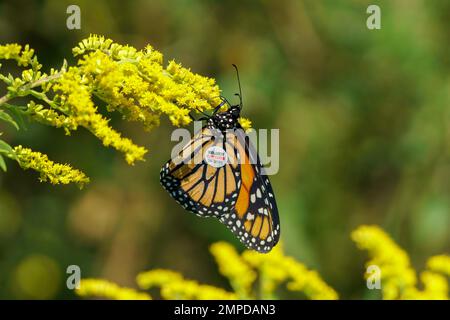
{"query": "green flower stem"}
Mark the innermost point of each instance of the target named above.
(26, 89)
(42, 96)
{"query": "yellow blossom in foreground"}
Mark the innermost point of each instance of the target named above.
(397, 276)
(242, 271)
(50, 171)
(157, 277)
(254, 275)
(440, 264)
(232, 266)
(396, 271)
(174, 286)
(435, 285)
(105, 289)
(435, 288)
(192, 290)
(275, 268)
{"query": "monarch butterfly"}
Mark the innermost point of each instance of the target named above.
(219, 174)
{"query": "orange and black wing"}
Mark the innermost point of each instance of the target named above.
(199, 187)
(254, 218)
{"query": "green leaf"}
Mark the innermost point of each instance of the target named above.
(2, 163)
(18, 117)
(5, 148)
(6, 117)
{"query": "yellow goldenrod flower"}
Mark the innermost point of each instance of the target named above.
(435, 288)
(275, 268)
(174, 286)
(132, 82)
(157, 277)
(24, 57)
(76, 101)
(231, 265)
(51, 117)
(136, 83)
(398, 277)
(435, 285)
(271, 274)
(191, 290)
(10, 51)
(202, 92)
(50, 171)
(396, 272)
(245, 123)
(104, 289)
(308, 281)
(440, 264)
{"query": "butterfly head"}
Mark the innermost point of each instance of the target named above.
(227, 119)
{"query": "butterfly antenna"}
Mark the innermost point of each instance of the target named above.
(239, 83)
(224, 101)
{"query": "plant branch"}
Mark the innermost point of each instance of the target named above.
(35, 84)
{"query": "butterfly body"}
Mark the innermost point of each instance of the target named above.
(219, 174)
(226, 120)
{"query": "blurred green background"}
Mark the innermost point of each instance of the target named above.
(364, 139)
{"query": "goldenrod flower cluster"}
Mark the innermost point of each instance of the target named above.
(398, 278)
(105, 289)
(275, 268)
(257, 276)
(242, 271)
(440, 264)
(232, 266)
(137, 84)
(134, 83)
(23, 56)
(174, 286)
(75, 99)
(55, 173)
(51, 117)
(246, 124)
(157, 278)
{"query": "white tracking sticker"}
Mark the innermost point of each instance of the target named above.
(216, 156)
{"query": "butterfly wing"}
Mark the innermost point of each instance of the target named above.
(254, 218)
(201, 188)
